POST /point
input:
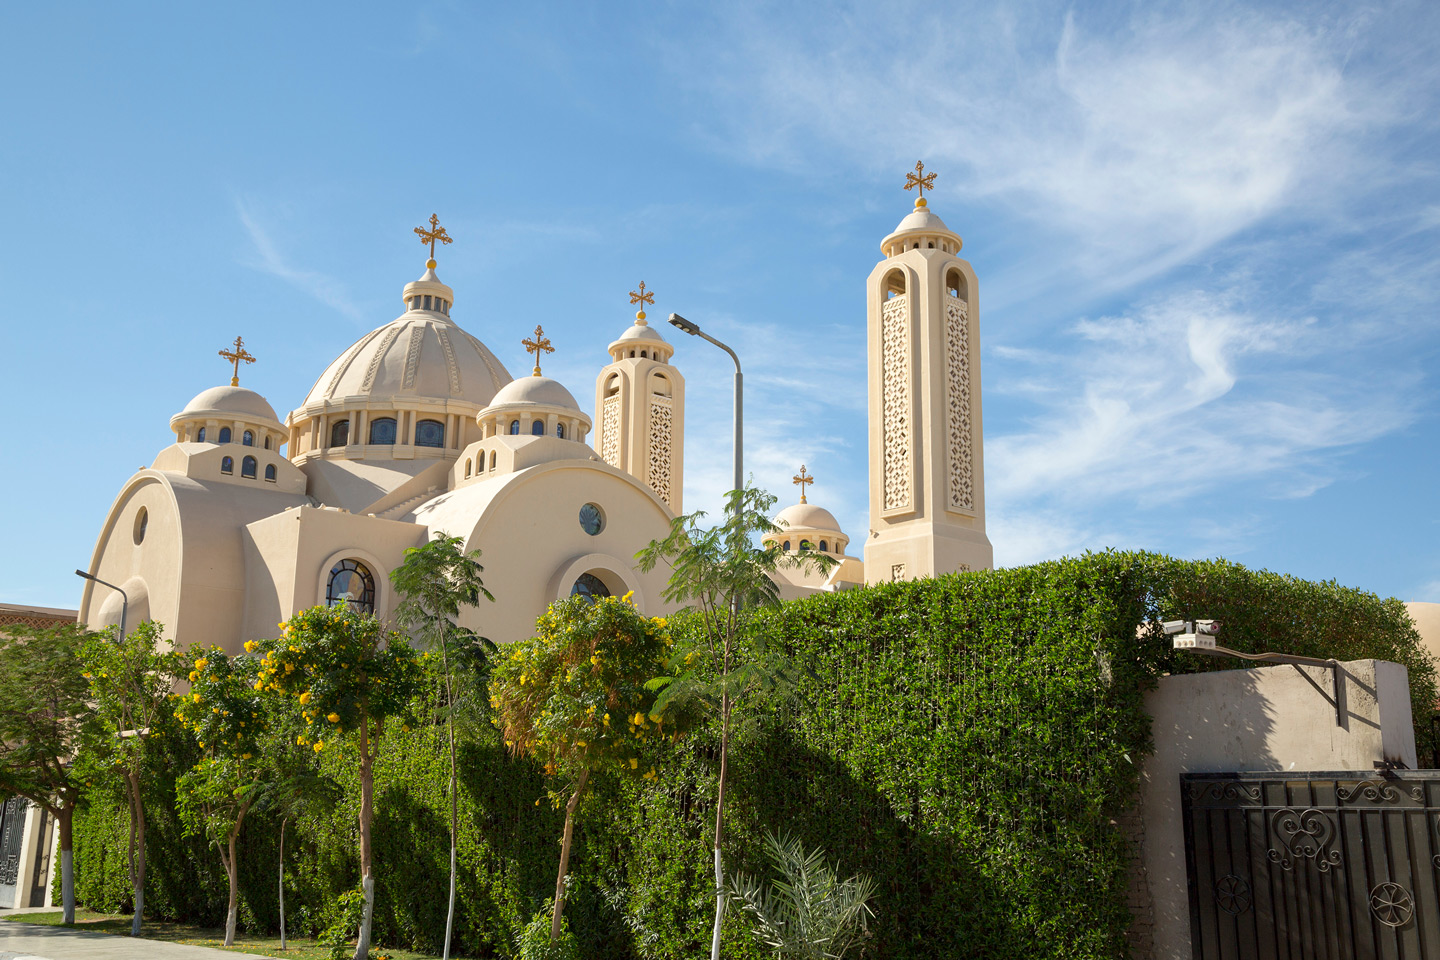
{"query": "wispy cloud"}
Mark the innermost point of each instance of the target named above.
(269, 259)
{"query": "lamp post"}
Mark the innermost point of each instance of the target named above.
(695, 331)
(124, 600)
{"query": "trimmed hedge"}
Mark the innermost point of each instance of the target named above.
(968, 741)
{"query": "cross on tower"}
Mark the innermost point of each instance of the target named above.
(537, 346)
(642, 298)
(803, 480)
(235, 356)
(436, 232)
(920, 180)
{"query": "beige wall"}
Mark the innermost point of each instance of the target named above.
(1260, 719)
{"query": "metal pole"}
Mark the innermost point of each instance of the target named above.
(124, 600)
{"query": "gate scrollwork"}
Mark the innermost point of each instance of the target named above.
(1306, 835)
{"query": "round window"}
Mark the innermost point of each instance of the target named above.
(142, 520)
(589, 585)
(592, 519)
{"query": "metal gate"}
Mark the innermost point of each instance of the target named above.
(1313, 866)
(12, 835)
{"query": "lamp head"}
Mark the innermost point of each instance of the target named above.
(684, 324)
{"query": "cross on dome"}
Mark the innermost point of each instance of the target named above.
(236, 356)
(803, 480)
(537, 346)
(920, 180)
(431, 236)
(642, 298)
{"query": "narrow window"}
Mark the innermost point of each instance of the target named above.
(894, 284)
(247, 438)
(537, 428)
(270, 472)
(467, 469)
(340, 433)
(200, 437)
(806, 545)
(224, 434)
(786, 546)
(429, 433)
(382, 431)
(227, 465)
(823, 547)
(492, 459)
(560, 430)
(267, 443)
(247, 468)
(514, 428)
(427, 301)
(955, 284)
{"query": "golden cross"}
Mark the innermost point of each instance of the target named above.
(236, 356)
(642, 298)
(921, 180)
(803, 480)
(537, 346)
(436, 232)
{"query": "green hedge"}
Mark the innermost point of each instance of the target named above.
(968, 741)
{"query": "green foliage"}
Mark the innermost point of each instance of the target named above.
(808, 912)
(228, 717)
(129, 683)
(349, 910)
(535, 943)
(44, 700)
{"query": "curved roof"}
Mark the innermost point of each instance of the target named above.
(227, 402)
(640, 330)
(921, 221)
(537, 390)
(807, 516)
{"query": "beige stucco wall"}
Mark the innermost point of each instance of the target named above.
(1427, 623)
(1260, 719)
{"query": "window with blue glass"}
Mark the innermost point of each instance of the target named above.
(537, 428)
(382, 430)
(429, 433)
(247, 439)
(227, 465)
(351, 583)
(591, 586)
(339, 433)
(270, 472)
(200, 437)
(514, 427)
(224, 434)
(560, 430)
(247, 468)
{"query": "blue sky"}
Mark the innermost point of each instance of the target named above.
(1207, 237)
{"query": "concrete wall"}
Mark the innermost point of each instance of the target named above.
(1280, 719)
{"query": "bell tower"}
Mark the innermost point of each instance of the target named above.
(927, 477)
(640, 408)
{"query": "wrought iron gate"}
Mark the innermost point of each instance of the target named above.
(12, 834)
(1319, 866)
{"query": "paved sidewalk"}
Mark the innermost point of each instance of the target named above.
(32, 941)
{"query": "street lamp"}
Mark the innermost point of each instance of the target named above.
(124, 600)
(695, 331)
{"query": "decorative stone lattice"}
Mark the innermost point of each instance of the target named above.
(897, 571)
(895, 402)
(390, 334)
(957, 388)
(450, 364)
(412, 356)
(660, 420)
(610, 431)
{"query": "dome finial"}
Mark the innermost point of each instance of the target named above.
(803, 480)
(435, 233)
(537, 346)
(921, 180)
(235, 356)
(642, 298)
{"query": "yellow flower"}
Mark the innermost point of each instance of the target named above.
(522, 679)
(250, 646)
(607, 719)
(244, 756)
(197, 698)
(319, 745)
(259, 684)
(634, 763)
(200, 664)
(655, 717)
(300, 739)
(305, 697)
(193, 676)
(333, 717)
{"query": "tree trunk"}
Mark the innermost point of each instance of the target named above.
(720, 826)
(67, 860)
(137, 849)
(454, 810)
(367, 876)
(282, 882)
(565, 854)
(233, 906)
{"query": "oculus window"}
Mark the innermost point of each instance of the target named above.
(382, 431)
(592, 519)
(352, 583)
(142, 520)
(429, 433)
(589, 585)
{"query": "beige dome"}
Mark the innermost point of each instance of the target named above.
(641, 336)
(540, 391)
(228, 403)
(807, 516)
(918, 225)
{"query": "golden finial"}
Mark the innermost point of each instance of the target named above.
(235, 356)
(642, 298)
(537, 346)
(436, 232)
(921, 180)
(803, 480)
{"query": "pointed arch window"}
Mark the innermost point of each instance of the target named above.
(227, 465)
(224, 434)
(339, 433)
(382, 431)
(351, 583)
(270, 472)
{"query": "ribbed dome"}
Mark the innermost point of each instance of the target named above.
(228, 403)
(807, 516)
(536, 390)
(422, 354)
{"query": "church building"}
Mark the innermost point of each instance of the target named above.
(417, 429)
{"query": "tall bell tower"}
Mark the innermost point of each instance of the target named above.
(927, 476)
(640, 408)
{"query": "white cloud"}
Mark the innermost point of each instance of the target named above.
(326, 289)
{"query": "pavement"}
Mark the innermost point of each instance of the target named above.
(32, 941)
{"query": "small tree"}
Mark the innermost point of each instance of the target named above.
(436, 581)
(300, 793)
(723, 573)
(44, 703)
(349, 675)
(131, 679)
(227, 715)
(574, 699)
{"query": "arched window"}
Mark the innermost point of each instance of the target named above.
(955, 284)
(467, 469)
(806, 545)
(351, 582)
(429, 433)
(339, 433)
(492, 459)
(612, 386)
(894, 284)
(270, 472)
(267, 443)
(644, 355)
(247, 468)
(589, 585)
(247, 439)
(823, 547)
(537, 428)
(200, 437)
(786, 546)
(514, 428)
(382, 431)
(224, 434)
(560, 430)
(227, 465)
(660, 385)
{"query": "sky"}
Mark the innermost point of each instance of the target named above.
(1207, 237)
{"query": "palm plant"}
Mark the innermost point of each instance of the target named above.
(807, 912)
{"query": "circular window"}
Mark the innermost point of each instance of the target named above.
(589, 585)
(142, 520)
(351, 583)
(592, 519)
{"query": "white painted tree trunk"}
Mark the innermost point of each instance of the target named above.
(67, 883)
(450, 916)
(719, 907)
(362, 945)
(282, 883)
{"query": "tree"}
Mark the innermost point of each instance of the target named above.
(44, 703)
(723, 574)
(293, 794)
(349, 675)
(436, 581)
(574, 698)
(130, 681)
(225, 712)
(808, 913)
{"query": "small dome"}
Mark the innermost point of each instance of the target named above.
(228, 403)
(537, 390)
(920, 221)
(806, 516)
(640, 330)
